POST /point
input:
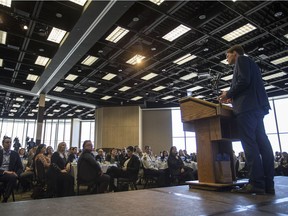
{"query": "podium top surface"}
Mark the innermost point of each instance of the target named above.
(194, 109)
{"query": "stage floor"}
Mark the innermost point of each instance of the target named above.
(179, 200)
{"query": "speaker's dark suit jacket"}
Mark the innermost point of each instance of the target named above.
(15, 162)
(247, 88)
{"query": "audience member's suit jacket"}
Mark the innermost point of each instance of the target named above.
(175, 165)
(247, 88)
(133, 166)
(88, 168)
(15, 162)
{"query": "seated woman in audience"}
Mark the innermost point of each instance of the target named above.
(129, 169)
(49, 151)
(112, 157)
(164, 156)
(177, 168)
(61, 182)
(40, 155)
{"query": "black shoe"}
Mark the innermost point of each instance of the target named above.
(270, 191)
(5, 200)
(249, 189)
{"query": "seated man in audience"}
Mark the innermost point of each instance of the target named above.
(100, 156)
(129, 169)
(89, 170)
(10, 167)
(150, 166)
(123, 156)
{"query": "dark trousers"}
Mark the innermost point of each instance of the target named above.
(10, 181)
(116, 172)
(103, 182)
(162, 176)
(257, 147)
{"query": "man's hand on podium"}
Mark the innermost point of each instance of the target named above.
(223, 98)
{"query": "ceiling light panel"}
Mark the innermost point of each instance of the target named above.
(32, 77)
(56, 35)
(224, 61)
(117, 34)
(6, 3)
(135, 59)
(58, 89)
(1, 62)
(189, 76)
(176, 33)
(78, 110)
(30, 114)
(269, 87)
(57, 110)
(16, 105)
(51, 114)
(199, 96)
(239, 32)
(280, 60)
(19, 99)
(136, 98)
(109, 76)
(226, 78)
(70, 114)
(90, 89)
(149, 76)
(79, 2)
(225, 89)
(124, 88)
(64, 105)
(159, 88)
(286, 36)
(157, 2)
(273, 76)
(34, 110)
(168, 97)
(184, 59)
(11, 114)
(71, 77)
(106, 98)
(194, 88)
(13, 110)
(3, 36)
(89, 60)
(42, 60)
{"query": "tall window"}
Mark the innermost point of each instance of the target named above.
(182, 139)
(87, 131)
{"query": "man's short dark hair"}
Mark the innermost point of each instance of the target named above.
(237, 48)
(84, 143)
(130, 148)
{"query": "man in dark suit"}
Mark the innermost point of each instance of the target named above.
(250, 105)
(10, 167)
(89, 170)
(129, 169)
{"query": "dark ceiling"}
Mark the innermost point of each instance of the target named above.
(87, 28)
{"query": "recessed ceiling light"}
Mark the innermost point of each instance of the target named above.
(135, 83)
(199, 96)
(58, 89)
(157, 2)
(1, 62)
(64, 105)
(136, 98)
(286, 36)
(153, 48)
(194, 88)
(34, 110)
(25, 27)
(71, 77)
(59, 15)
(124, 88)
(135, 19)
(189, 76)
(273, 76)
(57, 110)
(3, 36)
(280, 60)
(6, 3)
(50, 114)
(117, 34)
(224, 61)
(177, 32)
(278, 14)
(260, 48)
(78, 110)
(41, 50)
(105, 97)
(149, 76)
(109, 76)
(79, 2)
(100, 51)
(16, 105)
(32, 77)
(24, 83)
(42, 60)
(91, 89)
(202, 17)
(206, 49)
(19, 99)
(56, 35)
(13, 110)
(225, 89)
(47, 99)
(159, 88)
(89, 60)
(269, 87)
(168, 97)
(70, 114)
(30, 114)
(11, 114)
(184, 59)
(226, 78)
(239, 32)
(135, 59)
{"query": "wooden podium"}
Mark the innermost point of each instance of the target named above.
(215, 130)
